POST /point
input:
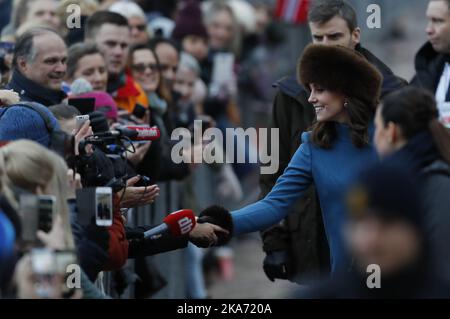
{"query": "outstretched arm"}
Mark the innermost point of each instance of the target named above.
(275, 206)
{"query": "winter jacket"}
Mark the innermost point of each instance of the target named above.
(92, 245)
(421, 157)
(429, 65)
(118, 243)
(157, 162)
(418, 281)
(301, 234)
(30, 91)
(331, 170)
(127, 93)
(141, 247)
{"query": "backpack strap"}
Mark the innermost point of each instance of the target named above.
(31, 105)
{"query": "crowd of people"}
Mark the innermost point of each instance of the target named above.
(88, 105)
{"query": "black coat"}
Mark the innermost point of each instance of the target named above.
(429, 65)
(418, 281)
(421, 157)
(302, 233)
(32, 92)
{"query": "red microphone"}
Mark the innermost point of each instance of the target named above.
(133, 132)
(178, 223)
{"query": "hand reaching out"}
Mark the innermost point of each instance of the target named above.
(138, 196)
(204, 235)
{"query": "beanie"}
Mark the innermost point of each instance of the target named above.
(104, 103)
(18, 121)
(189, 21)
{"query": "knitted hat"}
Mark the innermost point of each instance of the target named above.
(18, 122)
(103, 103)
(340, 69)
(189, 21)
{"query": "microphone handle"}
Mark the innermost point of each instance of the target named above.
(158, 230)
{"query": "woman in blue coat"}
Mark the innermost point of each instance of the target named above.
(345, 90)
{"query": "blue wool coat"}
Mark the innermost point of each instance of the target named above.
(331, 170)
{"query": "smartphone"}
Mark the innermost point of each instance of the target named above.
(103, 206)
(80, 120)
(44, 273)
(223, 73)
(84, 105)
(28, 211)
(36, 213)
(46, 211)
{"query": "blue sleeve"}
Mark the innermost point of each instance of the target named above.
(296, 178)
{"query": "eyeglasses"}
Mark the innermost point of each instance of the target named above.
(141, 67)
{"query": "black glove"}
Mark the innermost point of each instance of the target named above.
(98, 235)
(276, 265)
(221, 217)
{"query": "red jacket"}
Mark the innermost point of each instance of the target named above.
(118, 243)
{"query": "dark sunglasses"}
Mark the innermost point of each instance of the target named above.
(141, 67)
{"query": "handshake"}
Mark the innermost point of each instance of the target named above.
(214, 227)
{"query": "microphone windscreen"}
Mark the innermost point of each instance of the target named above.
(219, 216)
(181, 222)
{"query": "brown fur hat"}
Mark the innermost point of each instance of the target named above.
(340, 69)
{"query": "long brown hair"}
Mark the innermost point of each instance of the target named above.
(324, 133)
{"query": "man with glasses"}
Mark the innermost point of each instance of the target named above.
(111, 33)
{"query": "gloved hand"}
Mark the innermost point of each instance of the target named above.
(221, 217)
(275, 265)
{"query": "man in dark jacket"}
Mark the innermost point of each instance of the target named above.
(433, 59)
(297, 249)
(39, 66)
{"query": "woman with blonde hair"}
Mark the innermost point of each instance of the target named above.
(27, 167)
